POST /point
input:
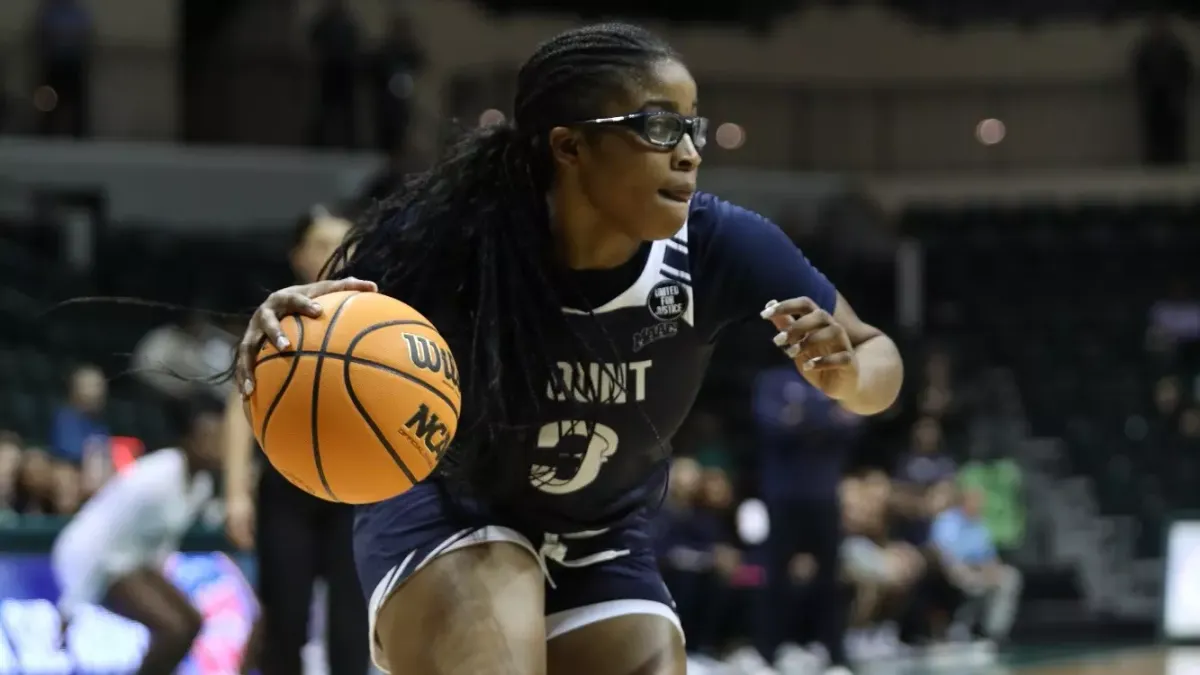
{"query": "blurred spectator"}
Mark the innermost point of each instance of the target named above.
(1000, 483)
(1167, 400)
(10, 469)
(805, 439)
(881, 572)
(66, 488)
(695, 552)
(314, 239)
(62, 37)
(396, 63)
(991, 589)
(926, 463)
(924, 466)
(334, 41)
(176, 359)
(79, 431)
(1163, 74)
(1175, 318)
(35, 483)
(936, 394)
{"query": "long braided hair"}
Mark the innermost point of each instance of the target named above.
(468, 243)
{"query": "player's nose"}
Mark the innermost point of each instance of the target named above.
(686, 157)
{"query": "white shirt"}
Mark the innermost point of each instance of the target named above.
(135, 520)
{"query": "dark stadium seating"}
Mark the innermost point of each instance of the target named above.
(1060, 294)
(42, 339)
(1057, 292)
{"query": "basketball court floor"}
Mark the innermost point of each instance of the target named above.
(1136, 661)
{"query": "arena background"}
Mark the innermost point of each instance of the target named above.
(989, 181)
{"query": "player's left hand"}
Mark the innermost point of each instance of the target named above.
(818, 344)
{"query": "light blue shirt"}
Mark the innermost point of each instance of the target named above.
(963, 539)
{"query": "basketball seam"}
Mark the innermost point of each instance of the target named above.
(372, 364)
(350, 358)
(282, 388)
(379, 366)
(316, 392)
(388, 324)
(362, 411)
(375, 326)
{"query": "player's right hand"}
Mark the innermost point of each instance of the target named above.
(239, 521)
(264, 325)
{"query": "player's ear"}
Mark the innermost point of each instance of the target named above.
(564, 145)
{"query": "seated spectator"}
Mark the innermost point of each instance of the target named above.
(926, 462)
(694, 554)
(925, 465)
(79, 437)
(925, 468)
(1000, 483)
(871, 560)
(881, 573)
(35, 483)
(79, 422)
(176, 359)
(973, 569)
(66, 489)
(10, 470)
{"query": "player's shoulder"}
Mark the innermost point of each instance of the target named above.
(716, 221)
(709, 215)
(721, 232)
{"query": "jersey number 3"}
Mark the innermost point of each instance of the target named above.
(572, 473)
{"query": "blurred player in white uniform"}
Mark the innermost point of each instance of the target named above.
(112, 553)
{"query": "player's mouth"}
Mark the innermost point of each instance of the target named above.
(680, 195)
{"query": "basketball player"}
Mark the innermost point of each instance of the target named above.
(581, 281)
(298, 538)
(112, 551)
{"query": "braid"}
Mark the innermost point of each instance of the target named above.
(468, 244)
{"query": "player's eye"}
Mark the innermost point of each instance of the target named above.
(664, 128)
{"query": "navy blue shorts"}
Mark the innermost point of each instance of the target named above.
(590, 576)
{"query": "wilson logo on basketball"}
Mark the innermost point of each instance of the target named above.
(325, 415)
(426, 355)
(425, 425)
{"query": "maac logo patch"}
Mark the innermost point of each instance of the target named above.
(667, 302)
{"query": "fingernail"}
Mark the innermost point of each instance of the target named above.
(351, 278)
(314, 306)
(282, 342)
(808, 365)
(792, 352)
(248, 387)
(781, 339)
(769, 311)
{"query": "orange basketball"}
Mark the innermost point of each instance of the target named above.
(363, 403)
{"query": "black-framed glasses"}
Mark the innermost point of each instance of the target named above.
(660, 128)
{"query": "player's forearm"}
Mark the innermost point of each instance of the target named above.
(880, 374)
(239, 443)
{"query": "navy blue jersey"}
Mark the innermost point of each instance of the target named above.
(659, 317)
